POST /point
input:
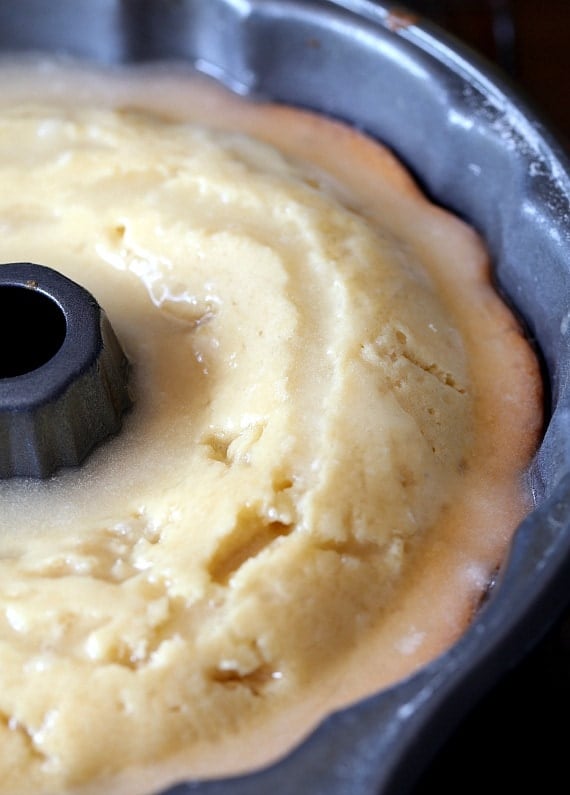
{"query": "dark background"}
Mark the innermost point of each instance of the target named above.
(528, 39)
(518, 735)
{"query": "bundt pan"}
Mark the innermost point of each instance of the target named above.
(477, 147)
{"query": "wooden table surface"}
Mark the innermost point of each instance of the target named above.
(518, 735)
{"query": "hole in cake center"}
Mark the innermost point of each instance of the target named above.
(32, 330)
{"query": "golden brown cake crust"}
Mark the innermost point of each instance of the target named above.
(338, 414)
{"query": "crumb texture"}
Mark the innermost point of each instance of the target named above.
(305, 411)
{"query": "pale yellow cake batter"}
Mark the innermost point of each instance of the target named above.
(321, 471)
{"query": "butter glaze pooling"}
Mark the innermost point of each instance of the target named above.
(324, 461)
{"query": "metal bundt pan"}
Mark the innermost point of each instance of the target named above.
(477, 147)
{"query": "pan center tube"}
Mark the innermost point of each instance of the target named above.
(64, 385)
(32, 327)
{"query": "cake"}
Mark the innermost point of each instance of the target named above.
(324, 466)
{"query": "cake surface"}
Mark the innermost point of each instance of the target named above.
(323, 467)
